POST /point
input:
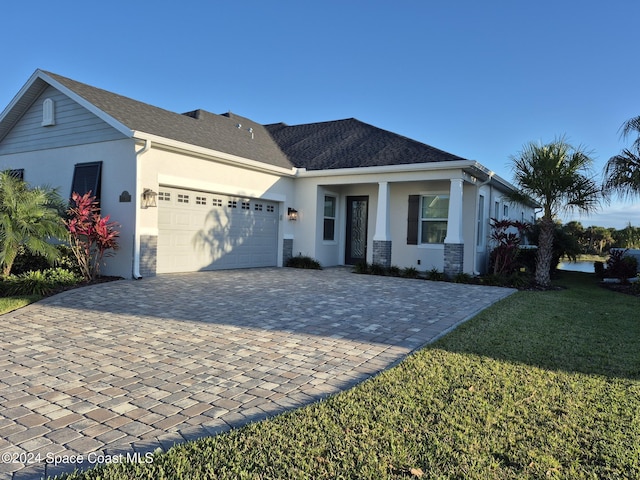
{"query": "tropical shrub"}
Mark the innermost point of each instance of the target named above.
(92, 236)
(394, 271)
(27, 261)
(435, 275)
(302, 261)
(410, 272)
(462, 277)
(361, 267)
(376, 269)
(38, 282)
(621, 266)
(29, 218)
(506, 235)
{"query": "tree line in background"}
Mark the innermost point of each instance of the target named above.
(596, 240)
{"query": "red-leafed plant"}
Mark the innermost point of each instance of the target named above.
(93, 236)
(506, 235)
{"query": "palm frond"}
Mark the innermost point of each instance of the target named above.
(28, 218)
(557, 176)
(622, 174)
(632, 126)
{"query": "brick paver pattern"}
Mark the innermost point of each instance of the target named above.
(132, 366)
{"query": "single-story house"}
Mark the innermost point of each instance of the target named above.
(202, 191)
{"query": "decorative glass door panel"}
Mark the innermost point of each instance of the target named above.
(356, 244)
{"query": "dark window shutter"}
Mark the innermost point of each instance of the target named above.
(16, 173)
(412, 220)
(86, 177)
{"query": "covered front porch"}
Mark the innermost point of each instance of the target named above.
(425, 219)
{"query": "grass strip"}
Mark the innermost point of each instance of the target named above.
(540, 385)
(9, 304)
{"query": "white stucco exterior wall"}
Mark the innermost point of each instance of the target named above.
(55, 167)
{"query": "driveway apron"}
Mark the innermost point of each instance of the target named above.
(120, 369)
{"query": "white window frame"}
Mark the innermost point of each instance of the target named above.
(481, 222)
(423, 220)
(333, 218)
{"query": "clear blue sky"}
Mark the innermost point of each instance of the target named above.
(476, 78)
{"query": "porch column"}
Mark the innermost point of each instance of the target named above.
(453, 242)
(382, 236)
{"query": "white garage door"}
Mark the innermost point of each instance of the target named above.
(208, 231)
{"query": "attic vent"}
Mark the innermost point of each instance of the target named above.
(48, 113)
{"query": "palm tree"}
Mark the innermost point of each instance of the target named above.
(29, 217)
(622, 171)
(558, 177)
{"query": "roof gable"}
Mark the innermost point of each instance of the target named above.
(200, 128)
(347, 143)
(351, 143)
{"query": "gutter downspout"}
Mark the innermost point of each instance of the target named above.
(138, 204)
(475, 247)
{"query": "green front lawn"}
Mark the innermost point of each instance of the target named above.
(8, 304)
(541, 385)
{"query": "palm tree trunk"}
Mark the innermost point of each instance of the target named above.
(545, 253)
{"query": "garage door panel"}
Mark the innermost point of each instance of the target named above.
(205, 231)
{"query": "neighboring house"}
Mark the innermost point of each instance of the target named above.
(201, 191)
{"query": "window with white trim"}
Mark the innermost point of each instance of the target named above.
(479, 240)
(329, 230)
(434, 213)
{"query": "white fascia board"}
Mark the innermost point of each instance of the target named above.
(19, 95)
(386, 169)
(122, 128)
(214, 155)
(471, 167)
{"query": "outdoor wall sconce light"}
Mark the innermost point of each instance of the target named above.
(292, 214)
(149, 198)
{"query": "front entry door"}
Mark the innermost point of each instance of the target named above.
(356, 245)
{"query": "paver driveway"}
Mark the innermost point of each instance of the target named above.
(130, 366)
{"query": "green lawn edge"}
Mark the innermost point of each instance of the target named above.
(9, 304)
(544, 384)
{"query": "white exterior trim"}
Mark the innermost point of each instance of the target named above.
(213, 155)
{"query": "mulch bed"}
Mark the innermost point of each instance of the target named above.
(627, 289)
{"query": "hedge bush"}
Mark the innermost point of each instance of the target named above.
(38, 282)
(302, 261)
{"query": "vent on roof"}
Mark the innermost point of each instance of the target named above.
(48, 113)
(194, 114)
